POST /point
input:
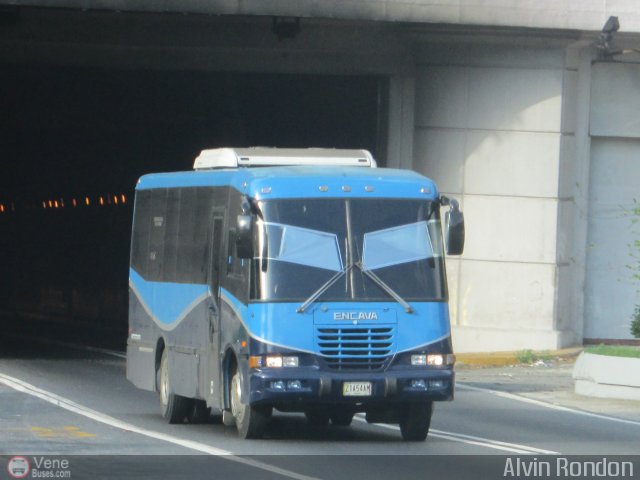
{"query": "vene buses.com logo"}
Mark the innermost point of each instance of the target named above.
(18, 467)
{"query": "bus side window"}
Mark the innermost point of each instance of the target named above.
(158, 213)
(141, 232)
(233, 263)
(215, 252)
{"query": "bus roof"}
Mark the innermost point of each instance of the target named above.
(264, 183)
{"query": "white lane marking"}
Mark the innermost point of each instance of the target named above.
(71, 406)
(471, 440)
(552, 406)
(497, 443)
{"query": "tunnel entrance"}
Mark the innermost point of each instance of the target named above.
(76, 139)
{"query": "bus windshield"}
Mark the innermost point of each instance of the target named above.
(304, 243)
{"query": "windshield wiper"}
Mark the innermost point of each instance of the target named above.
(382, 284)
(315, 295)
(377, 280)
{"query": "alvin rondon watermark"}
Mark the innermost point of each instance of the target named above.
(564, 467)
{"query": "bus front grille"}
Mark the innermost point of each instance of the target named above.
(355, 348)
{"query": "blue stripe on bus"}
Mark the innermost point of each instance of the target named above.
(167, 302)
(303, 182)
(279, 324)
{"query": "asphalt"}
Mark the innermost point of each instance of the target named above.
(548, 378)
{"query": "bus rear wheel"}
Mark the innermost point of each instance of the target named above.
(251, 421)
(174, 408)
(415, 421)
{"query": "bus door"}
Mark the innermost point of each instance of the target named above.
(216, 256)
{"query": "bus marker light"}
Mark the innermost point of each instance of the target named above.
(255, 362)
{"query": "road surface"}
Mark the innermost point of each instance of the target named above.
(64, 401)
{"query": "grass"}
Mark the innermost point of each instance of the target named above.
(615, 351)
(529, 356)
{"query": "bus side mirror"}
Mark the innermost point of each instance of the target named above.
(244, 236)
(453, 227)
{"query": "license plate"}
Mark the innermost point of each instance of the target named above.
(356, 389)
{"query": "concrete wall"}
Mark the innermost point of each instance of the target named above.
(494, 126)
(501, 118)
(611, 294)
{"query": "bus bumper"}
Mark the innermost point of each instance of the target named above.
(295, 386)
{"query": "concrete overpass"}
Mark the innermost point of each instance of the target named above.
(524, 110)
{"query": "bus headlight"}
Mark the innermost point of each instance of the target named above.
(419, 359)
(273, 361)
(289, 361)
(433, 360)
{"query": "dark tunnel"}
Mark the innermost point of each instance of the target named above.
(74, 140)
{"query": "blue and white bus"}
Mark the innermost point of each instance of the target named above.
(302, 280)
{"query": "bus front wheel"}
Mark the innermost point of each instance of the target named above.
(174, 408)
(415, 421)
(251, 421)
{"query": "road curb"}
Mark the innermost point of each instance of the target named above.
(503, 359)
(607, 376)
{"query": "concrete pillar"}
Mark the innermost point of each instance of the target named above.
(401, 121)
(573, 195)
(493, 127)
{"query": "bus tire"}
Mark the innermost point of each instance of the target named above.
(251, 421)
(198, 412)
(174, 408)
(342, 418)
(415, 420)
